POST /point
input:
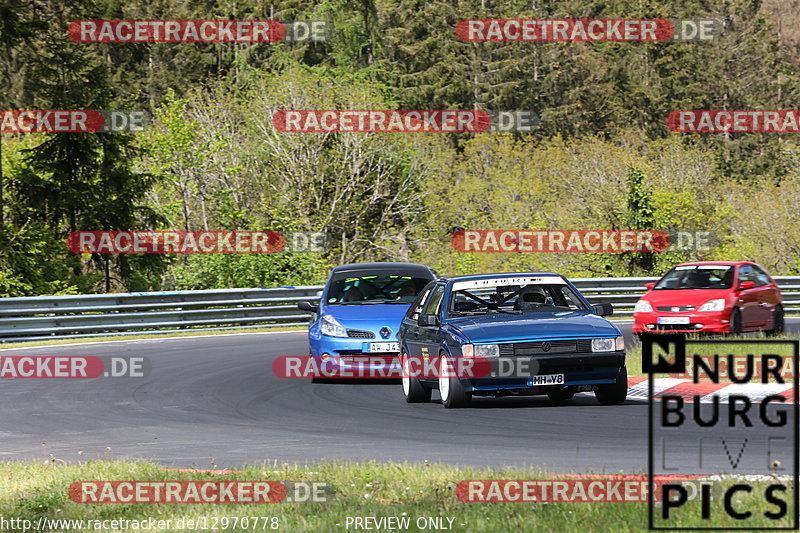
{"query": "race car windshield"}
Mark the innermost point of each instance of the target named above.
(374, 289)
(697, 277)
(515, 299)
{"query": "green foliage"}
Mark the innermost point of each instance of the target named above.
(59, 183)
(220, 271)
(499, 183)
(602, 158)
(639, 216)
(640, 210)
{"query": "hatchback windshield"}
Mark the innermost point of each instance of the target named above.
(697, 277)
(513, 295)
(353, 288)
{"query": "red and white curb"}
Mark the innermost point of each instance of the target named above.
(685, 388)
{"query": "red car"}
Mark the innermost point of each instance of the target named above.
(711, 296)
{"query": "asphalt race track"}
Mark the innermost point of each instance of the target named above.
(213, 401)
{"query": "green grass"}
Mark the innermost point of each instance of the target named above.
(29, 490)
(145, 335)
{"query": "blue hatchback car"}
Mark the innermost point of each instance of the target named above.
(359, 315)
(536, 333)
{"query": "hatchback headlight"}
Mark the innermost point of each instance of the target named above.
(330, 326)
(643, 306)
(608, 345)
(480, 350)
(713, 305)
(619, 343)
(487, 350)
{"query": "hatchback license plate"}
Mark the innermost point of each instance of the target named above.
(673, 320)
(546, 379)
(382, 347)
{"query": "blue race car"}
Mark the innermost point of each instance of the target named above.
(355, 324)
(536, 333)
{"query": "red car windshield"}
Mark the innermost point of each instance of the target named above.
(697, 277)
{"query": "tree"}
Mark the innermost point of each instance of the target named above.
(639, 216)
(79, 181)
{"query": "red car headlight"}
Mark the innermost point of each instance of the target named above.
(717, 304)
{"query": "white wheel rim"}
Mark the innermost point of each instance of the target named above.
(405, 378)
(444, 380)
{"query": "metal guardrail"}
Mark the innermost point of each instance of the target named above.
(56, 317)
(90, 315)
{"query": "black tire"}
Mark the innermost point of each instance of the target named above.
(779, 324)
(450, 388)
(412, 388)
(614, 393)
(736, 322)
(560, 395)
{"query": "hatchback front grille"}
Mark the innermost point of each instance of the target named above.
(584, 345)
(546, 347)
(358, 334)
(676, 309)
(674, 327)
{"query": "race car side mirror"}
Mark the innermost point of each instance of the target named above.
(604, 309)
(428, 320)
(649, 286)
(307, 306)
(743, 286)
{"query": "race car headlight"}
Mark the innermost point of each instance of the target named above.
(330, 326)
(487, 350)
(643, 306)
(608, 345)
(619, 343)
(480, 350)
(713, 305)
